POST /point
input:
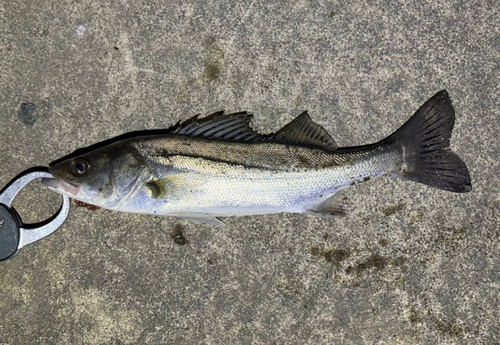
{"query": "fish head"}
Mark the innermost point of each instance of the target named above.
(103, 177)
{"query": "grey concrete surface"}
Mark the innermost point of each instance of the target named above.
(413, 265)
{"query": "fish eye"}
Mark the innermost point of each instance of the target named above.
(79, 167)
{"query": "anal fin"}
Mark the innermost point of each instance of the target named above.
(201, 218)
(333, 207)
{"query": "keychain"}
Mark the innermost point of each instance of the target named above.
(14, 234)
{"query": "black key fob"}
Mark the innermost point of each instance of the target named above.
(10, 233)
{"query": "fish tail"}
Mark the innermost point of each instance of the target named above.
(425, 140)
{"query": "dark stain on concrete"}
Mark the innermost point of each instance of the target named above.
(451, 234)
(213, 60)
(178, 235)
(212, 70)
(452, 329)
(414, 318)
(373, 261)
(297, 101)
(27, 114)
(85, 205)
(376, 261)
(399, 261)
(446, 327)
(333, 256)
(390, 210)
(416, 217)
(383, 242)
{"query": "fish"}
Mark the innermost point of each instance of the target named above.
(203, 169)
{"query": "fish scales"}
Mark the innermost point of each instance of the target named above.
(234, 183)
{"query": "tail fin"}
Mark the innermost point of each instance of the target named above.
(425, 139)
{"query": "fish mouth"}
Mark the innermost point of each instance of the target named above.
(61, 186)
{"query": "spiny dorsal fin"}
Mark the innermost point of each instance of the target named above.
(303, 131)
(232, 127)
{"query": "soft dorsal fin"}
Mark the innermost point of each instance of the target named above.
(302, 131)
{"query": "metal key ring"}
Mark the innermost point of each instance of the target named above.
(14, 235)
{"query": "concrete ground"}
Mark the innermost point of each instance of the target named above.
(412, 265)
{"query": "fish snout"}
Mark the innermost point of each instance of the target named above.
(62, 187)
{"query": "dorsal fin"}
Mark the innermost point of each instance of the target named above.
(302, 131)
(232, 127)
